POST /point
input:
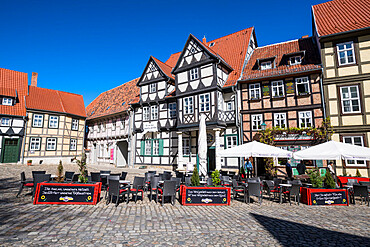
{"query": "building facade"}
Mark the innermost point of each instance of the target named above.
(109, 126)
(342, 30)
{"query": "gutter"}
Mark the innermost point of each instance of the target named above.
(322, 92)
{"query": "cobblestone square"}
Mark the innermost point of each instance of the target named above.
(149, 224)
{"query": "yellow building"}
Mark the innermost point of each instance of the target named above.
(342, 29)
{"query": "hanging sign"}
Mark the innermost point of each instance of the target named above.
(150, 127)
(266, 90)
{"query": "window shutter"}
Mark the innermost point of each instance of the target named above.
(160, 152)
(142, 148)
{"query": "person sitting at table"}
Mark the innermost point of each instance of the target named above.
(288, 169)
(301, 168)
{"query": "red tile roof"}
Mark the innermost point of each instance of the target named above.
(341, 16)
(311, 60)
(114, 101)
(10, 81)
(172, 60)
(55, 101)
(164, 67)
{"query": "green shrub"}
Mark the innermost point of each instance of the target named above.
(329, 181)
(358, 174)
(60, 172)
(316, 179)
(194, 181)
(216, 178)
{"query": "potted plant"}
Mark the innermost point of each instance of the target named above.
(29, 162)
(216, 178)
(315, 177)
(329, 181)
(194, 181)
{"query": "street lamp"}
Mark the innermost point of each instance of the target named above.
(263, 126)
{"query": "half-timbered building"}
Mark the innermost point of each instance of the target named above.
(281, 87)
(198, 80)
(342, 29)
(108, 138)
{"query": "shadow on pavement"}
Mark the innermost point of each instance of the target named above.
(295, 234)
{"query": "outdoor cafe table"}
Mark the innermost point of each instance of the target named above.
(281, 190)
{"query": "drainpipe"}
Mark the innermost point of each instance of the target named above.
(322, 92)
(129, 137)
(24, 137)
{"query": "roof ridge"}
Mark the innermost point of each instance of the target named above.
(55, 90)
(283, 42)
(230, 34)
(15, 71)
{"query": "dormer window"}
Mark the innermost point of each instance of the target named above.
(194, 74)
(266, 65)
(7, 101)
(295, 60)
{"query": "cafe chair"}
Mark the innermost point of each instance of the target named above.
(167, 176)
(362, 192)
(271, 189)
(39, 178)
(137, 186)
(254, 189)
(209, 182)
(123, 175)
(187, 181)
(95, 176)
(238, 190)
(114, 190)
(178, 183)
(24, 183)
(68, 176)
(225, 181)
(153, 187)
(293, 191)
(169, 190)
(75, 177)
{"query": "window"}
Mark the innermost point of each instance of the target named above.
(305, 119)
(51, 144)
(37, 120)
(74, 124)
(53, 122)
(280, 120)
(146, 113)
(148, 147)
(231, 141)
(230, 106)
(277, 88)
(172, 109)
(346, 53)
(302, 85)
(152, 88)
(354, 140)
(188, 105)
(155, 147)
(186, 146)
(295, 60)
(194, 74)
(254, 91)
(73, 144)
(7, 101)
(152, 147)
(35, 143)
(350, 99)
(266, 65)
(113, 125)
(154, 112)
(256, 121)
(5, 121)
(204, 102)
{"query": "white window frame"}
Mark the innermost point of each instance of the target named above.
(74, 124)
(257, 120)
(230, 105)
(354, 162)
(302, 81)
(231, 141)
(275, 86)
(53, 122)
(305, 119)
(7, 101)
(350, 99)
(204, 102)
(194, 73)
(154, 112)
(146, 115)
(155, 143)
(152, 88)
(114, 125)
(73, 144)
(186, 146)
(35, 143)
(255, 91)
(148, 147)
(172, 110)
(345, 52)
(5, 121)
(51, 144)
(279, 120)
(188, 105)
(266, 65)
(295, 60)
(38, 120)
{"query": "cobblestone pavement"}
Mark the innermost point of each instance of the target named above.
(149, 224)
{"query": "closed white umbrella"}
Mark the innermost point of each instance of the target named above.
(202, 146)
(255, 149)
(333, 150)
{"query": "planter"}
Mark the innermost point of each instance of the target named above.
(322, 196)
(343, 180)
(205, 196)
(29, 162)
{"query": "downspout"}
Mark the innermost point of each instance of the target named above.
(129, 137)
(24, 137)
(322, 92)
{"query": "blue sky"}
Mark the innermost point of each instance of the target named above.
(88, 46)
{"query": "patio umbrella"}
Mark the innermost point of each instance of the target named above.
(255, 149)
(202, 146)
(333, 150)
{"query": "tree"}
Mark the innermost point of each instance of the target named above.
(195, 178)
(329, 181)
(82, 167)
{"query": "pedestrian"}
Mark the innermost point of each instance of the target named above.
(248, 167)
(301, 167)
(288, 169)
(330, 168)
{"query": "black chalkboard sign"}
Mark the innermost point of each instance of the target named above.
(60, 193)
(329, 198)
(205, 196)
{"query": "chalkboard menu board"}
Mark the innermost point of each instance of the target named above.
(205, 195)
(330, 197)
(289, 87)
(266, 90)
(67, 193)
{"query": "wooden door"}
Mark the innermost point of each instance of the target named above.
(10, 151)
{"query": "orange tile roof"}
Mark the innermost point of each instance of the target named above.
(341, 16)
(10, 81)
(311, 61)
(114, 101)
(172, 60)
(164, 67)
(55, 101)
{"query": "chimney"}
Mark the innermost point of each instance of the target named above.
(305, 36)
(34, 79)
(204, 39)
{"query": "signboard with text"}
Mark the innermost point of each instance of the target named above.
(205, 196)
